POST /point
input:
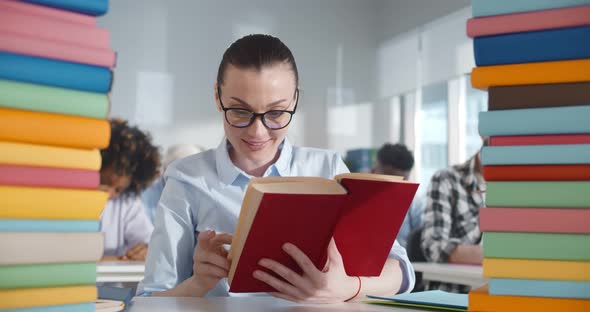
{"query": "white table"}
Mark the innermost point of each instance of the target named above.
(247, 304)
(470, 275)
(120, 271)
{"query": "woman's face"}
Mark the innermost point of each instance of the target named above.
(272, 88)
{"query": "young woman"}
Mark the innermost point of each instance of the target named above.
(257, 95)
(129, 165)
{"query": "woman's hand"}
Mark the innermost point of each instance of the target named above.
(210, 262)
(314, 286)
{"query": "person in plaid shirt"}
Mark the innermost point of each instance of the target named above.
(451, 218)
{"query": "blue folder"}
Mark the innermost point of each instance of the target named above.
(537, 46)
(539, 288)
(500, 7)
(88, 7)
(55, 73)
(428, 299)
(552, 120)
(26, 225)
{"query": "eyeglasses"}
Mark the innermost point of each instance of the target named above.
(273, 119)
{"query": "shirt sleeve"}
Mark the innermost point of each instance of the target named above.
(170, 254)
(437, 243)
(138, 227)
(399, 253)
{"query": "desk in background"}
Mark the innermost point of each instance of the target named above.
(247, 304)
(470, 275)
(120, 271)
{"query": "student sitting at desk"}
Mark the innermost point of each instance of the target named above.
(397, 160)
(451, 218)
(256, 95)
(129, 164)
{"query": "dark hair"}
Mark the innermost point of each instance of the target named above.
(396, 155)
(256, 51)
(131, 153)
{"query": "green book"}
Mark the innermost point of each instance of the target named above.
(538, 194)
(47, 275)
(32, 97)
(543, 246)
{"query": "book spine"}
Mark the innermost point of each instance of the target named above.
(536, 269)
(500, 7)
(539, 140)
(56, 50)
(539, 96)
(49, 72)
(88, 7)
(563, 194)
(56, 226)
(47, 275)
(539, 288)
(536, 246)
(534, 220)
(49, 156)
(39, 297)
(537, 173)
(49, 177)
(54, 129)
(555, 120)
(529, 47)
(39, 98)
(536, 155)
(528, 21)
(47, 28)
(45, 12)
(483, 77)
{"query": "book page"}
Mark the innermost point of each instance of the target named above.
(369, 176)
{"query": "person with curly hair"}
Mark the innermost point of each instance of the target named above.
(129, 165)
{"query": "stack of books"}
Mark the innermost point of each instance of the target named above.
(55, 73)
(533, 57)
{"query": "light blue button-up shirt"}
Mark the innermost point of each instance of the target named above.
(205, 191)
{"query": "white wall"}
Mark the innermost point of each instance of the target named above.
(169, 52)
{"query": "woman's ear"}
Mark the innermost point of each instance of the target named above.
(217, 101)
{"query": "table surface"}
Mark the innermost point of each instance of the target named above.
(247, 304)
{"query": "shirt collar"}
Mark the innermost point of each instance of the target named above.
(228, 172)
(471, 176)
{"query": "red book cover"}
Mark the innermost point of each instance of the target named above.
(364, 223)
(48, 177)
(535, 220)
(558, 139)
(537, 173)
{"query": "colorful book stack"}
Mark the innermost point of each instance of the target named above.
(533, 57)
(55, 73)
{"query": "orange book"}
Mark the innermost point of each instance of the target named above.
(53, 129)
(537, 173)
(481, 301)
(531, 73)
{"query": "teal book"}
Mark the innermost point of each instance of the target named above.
(570, 154)
(542, 246)
(80, 307)
(62, 226)
(531, 121)
(47, 275)
(431, 300)
(539, 288)
(500, 7)
(538, 194)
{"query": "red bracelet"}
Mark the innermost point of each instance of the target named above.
(358, 290)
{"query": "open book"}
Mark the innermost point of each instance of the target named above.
(363, 212)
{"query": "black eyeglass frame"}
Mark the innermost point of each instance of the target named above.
(256, 115)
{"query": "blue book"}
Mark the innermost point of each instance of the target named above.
(570, 154)
(88, 7)
(55, 73)
(432, 299)
(537, 46)
(25, 225)
(500, 7)
(539, 288)
(552, 120)
(81, 307)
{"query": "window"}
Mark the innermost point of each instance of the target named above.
(476, 101)
(433, 131)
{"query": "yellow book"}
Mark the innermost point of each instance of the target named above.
(531, 73)
(48, 156)
(48, 203)
(37, 297)
(536, 269)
